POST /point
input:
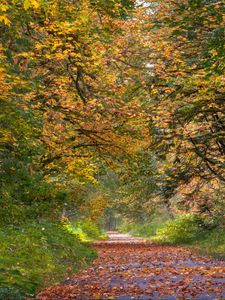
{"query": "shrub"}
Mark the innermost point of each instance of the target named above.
(181, 230)
(84, 230)
(212, 243)
(37, 255)
(147, 229)
(126, 227)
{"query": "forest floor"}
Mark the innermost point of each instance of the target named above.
(131, 268)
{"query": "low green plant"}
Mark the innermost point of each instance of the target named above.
(189, 230)
(127, 227)
(211, 243)
(147, 229)
(37, 255)
(181, 230)
(84, 230)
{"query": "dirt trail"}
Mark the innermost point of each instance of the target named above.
(130, 268)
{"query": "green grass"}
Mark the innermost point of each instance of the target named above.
(85, 230)
(143, 230)
(147, 229)
(186, 230)
(37, 255)
(212, 243)
(183, 229)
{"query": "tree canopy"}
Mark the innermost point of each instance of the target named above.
(123, 89)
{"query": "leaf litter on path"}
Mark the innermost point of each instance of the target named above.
(130, 268)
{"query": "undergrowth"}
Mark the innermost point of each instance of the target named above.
(84, 230)
(37, 255)
(187, 230)
(143, 230)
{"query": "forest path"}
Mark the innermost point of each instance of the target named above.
(130, 268)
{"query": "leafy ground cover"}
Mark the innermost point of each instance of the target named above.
(38, 255)
(186, 230)
(129, 268)
(84, 230)
(146, 230)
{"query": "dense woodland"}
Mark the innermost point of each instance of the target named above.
(112, 115)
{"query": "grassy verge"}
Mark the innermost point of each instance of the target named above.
(186, 230)
(38, 255)
(84, 231)
(146, 230)
(212, 243)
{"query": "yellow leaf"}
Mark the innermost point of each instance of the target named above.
(3, 7)
(30, 4)
(5, 19)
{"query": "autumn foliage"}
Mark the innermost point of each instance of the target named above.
(112, 113)
(133, 268)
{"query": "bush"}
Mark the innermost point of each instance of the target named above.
(181, 230)
(147, 229)
(84, 230)
(143, 230)
(126, 227)
(211, 243)
(189, 230)
(38, 255)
